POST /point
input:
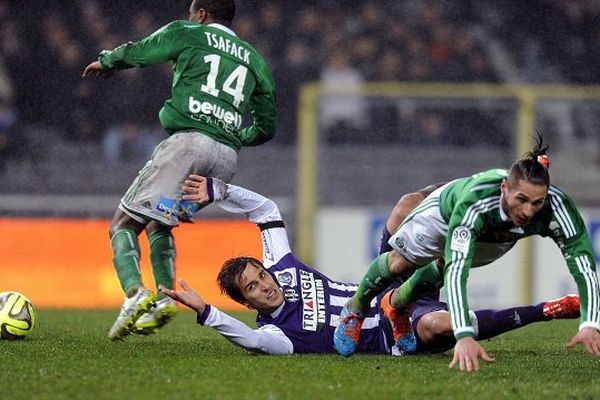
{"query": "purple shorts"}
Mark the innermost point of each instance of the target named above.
(426, 305)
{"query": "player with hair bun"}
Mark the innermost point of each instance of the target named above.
(470, 222)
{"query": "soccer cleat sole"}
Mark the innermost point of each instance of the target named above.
(346, 345)
(162, 318)
(122, 328)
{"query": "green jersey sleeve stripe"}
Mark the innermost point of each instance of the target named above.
(483, 187)
(562, 216)
(478, 208)
(592, 313)
(556, 191)
(455, 298)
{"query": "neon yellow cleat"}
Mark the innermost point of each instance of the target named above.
(133, 307)
(159, 315)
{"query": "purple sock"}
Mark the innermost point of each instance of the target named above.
(384, 247)
(494, 322)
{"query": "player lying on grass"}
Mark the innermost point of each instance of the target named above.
(299, 307)
(471, 222)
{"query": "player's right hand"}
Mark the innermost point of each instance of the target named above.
(467, 353)
(187, 296)
(96, 69)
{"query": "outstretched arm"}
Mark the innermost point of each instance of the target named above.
(161, 46)
(570, 234)
(268, 339)
(257, 208)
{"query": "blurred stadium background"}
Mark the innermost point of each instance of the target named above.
(377, 98)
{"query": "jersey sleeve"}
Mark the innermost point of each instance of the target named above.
(464, 226)
(268, 339)
(263, 107)
(161, 46)
(263, 212)
(569, 232)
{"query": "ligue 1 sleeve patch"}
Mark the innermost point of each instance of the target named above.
(461, 237)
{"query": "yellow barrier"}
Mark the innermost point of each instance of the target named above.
(67, 263)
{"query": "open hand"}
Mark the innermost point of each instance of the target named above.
(187, 296)
(196, 189)
(589, 338)
(467, 353)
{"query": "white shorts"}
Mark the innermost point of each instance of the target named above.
(422, 236)
(155, 194)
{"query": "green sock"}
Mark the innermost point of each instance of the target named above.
(424, 280)
(377, 278)
(126, 259)
(162, 258)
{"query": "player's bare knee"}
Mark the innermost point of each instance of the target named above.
(124, 221)
(398, 265)
(154, 226)
(434, 325)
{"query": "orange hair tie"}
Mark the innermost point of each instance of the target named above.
(544, 160)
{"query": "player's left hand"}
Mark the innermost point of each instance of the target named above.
(467, 353)
(96, 69)
(196, 189)
(589, 338)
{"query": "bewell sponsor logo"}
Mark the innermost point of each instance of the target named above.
(313, 301)
(205, 111)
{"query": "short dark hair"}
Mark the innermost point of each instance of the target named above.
(229, 276)
(222, 11)
(533, 167)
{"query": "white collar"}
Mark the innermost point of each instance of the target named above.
(222, 27)
(276, 313)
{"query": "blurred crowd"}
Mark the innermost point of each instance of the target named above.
(345, 42)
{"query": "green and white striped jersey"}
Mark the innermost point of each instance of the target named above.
(216, 78)
(471, 208)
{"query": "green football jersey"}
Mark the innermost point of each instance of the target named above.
(471, 208)
(216, 78)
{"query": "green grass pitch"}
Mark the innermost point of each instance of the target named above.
(69, 357)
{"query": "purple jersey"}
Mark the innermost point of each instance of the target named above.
(312, 307)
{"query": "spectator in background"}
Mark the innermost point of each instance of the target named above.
(12, 140)
(383, 112)
(129, 140)
(431, 129)
(299, 67)
(343, 117)
(429, 45)
(130, 133)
